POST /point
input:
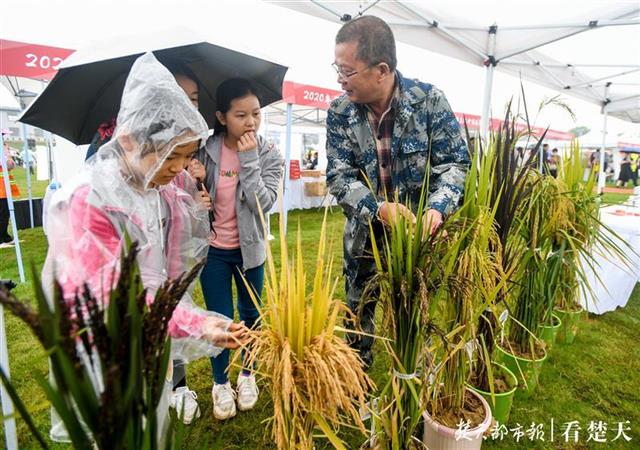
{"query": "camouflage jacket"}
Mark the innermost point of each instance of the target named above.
(425, 132)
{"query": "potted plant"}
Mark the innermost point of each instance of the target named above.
(316, 380)
(406, 263)
(549, 332)
(582, 235)
(130, 351)
(471, 279)
(577, 238)
(501, 183)
(545, 213)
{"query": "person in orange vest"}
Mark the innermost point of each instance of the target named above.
(5, 238)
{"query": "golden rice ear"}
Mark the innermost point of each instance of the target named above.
(316, 380)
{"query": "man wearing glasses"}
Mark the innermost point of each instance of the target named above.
(383, 134)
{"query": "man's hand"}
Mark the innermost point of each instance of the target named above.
(431, 221)
(247, 142)
(390, 212)
(196, 170)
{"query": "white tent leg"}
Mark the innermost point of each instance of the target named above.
(27, 163)
(287, 168)
(10, 434)
(601, 174)
(12, 213)
(270, 236)
(486, 103)
(488, 84)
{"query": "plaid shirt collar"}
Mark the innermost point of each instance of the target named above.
(382, 128)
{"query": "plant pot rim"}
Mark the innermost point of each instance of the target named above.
(553, 326)
(520, 357)
(511, 375)
(451, 432)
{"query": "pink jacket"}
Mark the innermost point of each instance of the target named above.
(87, 240)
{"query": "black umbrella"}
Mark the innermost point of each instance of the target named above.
(87, 89)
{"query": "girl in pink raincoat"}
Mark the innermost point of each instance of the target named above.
(137, 187)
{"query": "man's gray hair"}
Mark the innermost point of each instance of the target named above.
(376, 43)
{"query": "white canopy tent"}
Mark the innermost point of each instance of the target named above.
(601, 67)
(593, 139)
(8, 101)
(276, 114)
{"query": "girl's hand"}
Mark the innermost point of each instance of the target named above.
(204, 198)
(247, 142)
(196, 170)
(232, 338)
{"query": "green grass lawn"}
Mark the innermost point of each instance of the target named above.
(595, 379)
(38, 188)
(613, 199)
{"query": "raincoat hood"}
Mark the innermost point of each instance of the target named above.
(155, 116)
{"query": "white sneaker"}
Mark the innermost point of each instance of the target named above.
(247, 392)
(184, 401)
(224, 401)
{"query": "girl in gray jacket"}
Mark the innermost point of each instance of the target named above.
(242, 174)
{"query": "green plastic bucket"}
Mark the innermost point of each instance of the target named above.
(526, 370)
(500, 404)
(548, 333)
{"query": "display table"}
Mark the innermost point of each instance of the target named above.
(21, 208)
(296, 198)
(616, 279)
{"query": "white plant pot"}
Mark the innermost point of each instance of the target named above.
(439, 437)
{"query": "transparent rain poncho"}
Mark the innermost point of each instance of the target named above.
(115, 196)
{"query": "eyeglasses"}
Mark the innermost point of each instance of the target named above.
(343, 74)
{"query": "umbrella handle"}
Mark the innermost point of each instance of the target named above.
(200, 186)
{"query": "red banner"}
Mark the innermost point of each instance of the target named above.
(307, 95)
(473, 122)
(39, 62)
(294, 169)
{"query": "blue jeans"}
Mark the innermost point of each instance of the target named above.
(223, 266)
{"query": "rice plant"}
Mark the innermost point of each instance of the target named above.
(124, 346)
(545, 215)
(499, 182)
(316, 380)
(585, 233)
(406, 269)
(472, 278)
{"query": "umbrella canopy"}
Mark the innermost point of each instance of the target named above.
(88, 87)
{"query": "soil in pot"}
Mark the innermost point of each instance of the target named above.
(472, 412)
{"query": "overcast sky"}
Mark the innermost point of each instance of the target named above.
(305, 43)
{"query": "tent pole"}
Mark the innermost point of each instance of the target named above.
(601, 174)
(270, 236)
(490, 63)
(10, 435)
(12, 213)
(27, 163)
(287, 168)
(49, 137)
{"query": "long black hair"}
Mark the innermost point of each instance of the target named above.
(228, 91)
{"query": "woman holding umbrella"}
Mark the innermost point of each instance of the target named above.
(242, 173)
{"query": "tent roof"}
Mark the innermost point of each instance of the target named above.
(593, 139)
(276, 114)
(587, 44)
(7, 100)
